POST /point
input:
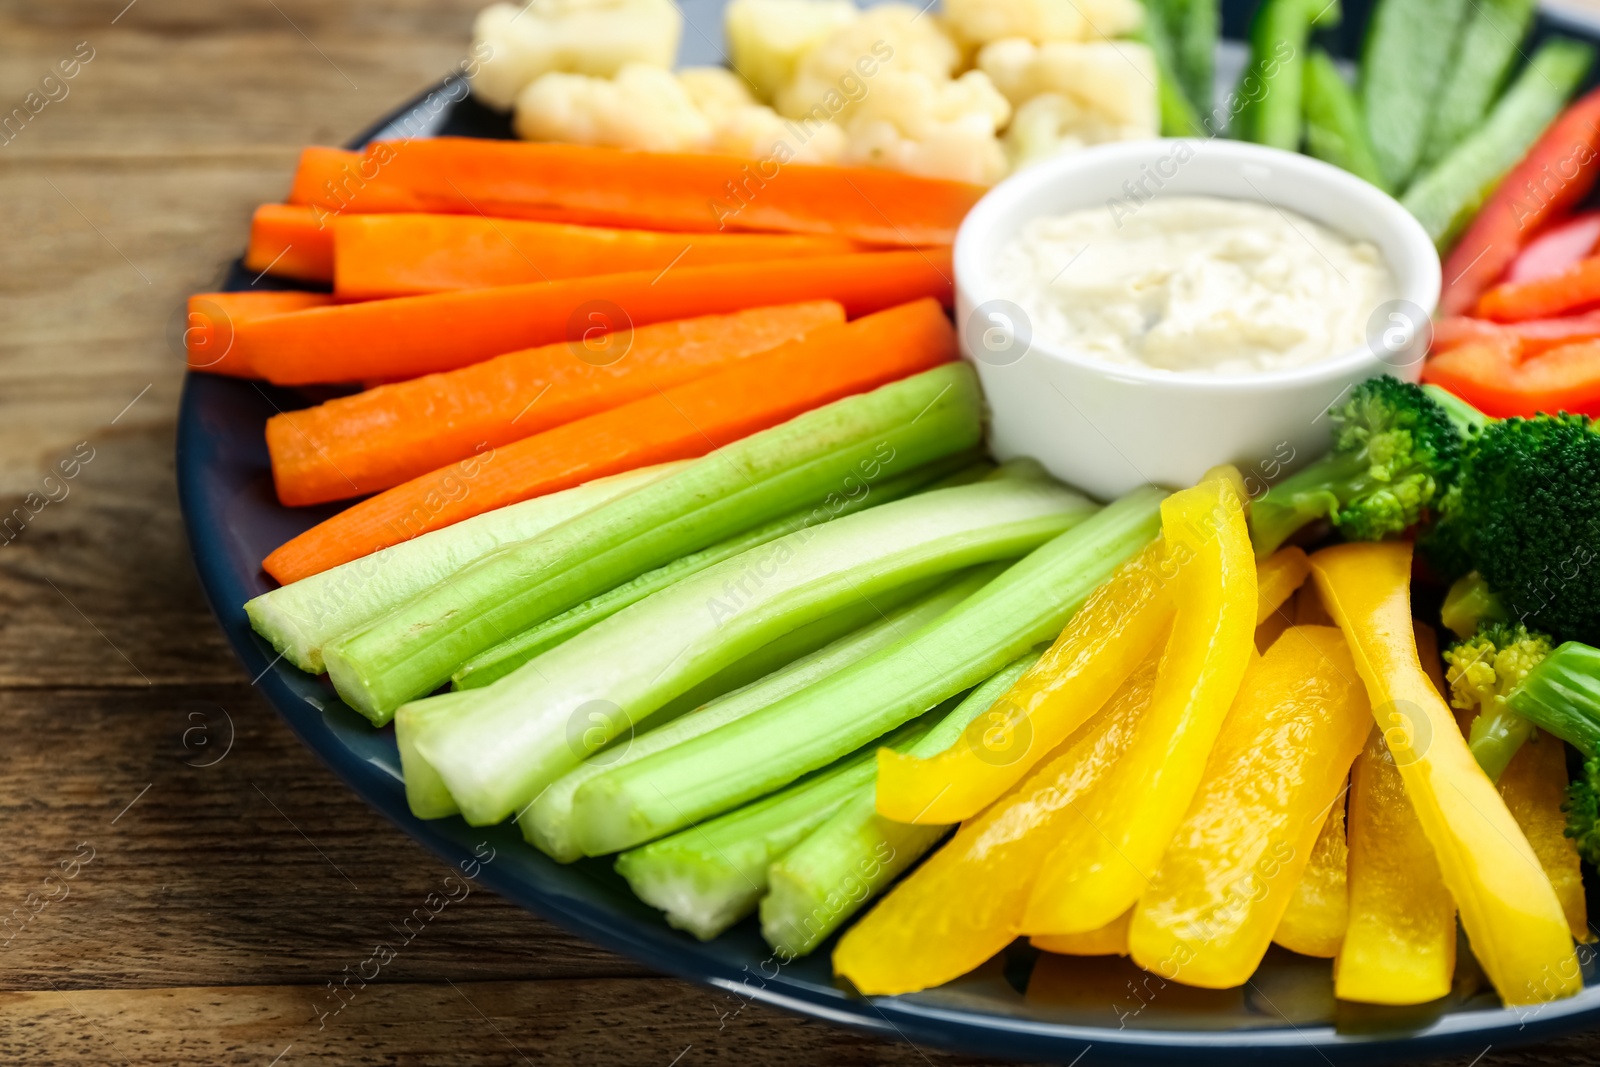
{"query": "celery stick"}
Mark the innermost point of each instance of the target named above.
(1445, 198)
(826, 878)
(425, 790)
(516, 737)
(1194, 39)
(300, 618)
(976, 471)
(1405, 60)
(709, 877)
(860, 439)
(1335, 131)
(742, 760)
(799, 642)
(1271, 87)
(508, 655)
(1489, 47)
(1179, 114)
(547, 823)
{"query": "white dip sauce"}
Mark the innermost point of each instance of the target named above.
(1195, 284)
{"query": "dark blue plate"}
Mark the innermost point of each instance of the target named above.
(1020, 1004)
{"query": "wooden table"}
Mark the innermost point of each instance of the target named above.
(200, 877)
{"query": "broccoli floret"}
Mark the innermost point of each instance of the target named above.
(1583, 812)
(1469, 604)
(1526, 513)
(1482, 670)
(1395, 449)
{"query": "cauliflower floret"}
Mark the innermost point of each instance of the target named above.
(1050, 124)
(1113, 81)
(643, 107)
(717, 91)
(833, 78)
(936, 128)
(746, 128)
(766, 38)
(981, 21)
(595, 37)
(757, 131)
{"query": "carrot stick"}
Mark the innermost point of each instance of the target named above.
(405, 255)
(384, 436)
(287, 242)
(1573, 288)
(332, 181)
(211, 332)
(414, 335)
(685, 421)
(646, 190)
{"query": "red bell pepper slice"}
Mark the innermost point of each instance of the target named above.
(1488, 377)
(1557, 248)
(1528, 339)
(1555, 175)
(1576, 287)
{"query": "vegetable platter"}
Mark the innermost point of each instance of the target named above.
(647, 639)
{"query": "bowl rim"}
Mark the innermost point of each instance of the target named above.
(973, 274)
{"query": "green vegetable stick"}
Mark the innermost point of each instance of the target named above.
(756, 755)
(853, 856)
(519, 735)
(860, 439)
(505, 657)
(708, 877)
(298, 619)
(1404, 64)
(1489, 47)
(801, 641)
(1335, 132)
(1562, 695)
(1179, 116)
(1445, 198)
(547, 824)
(1195, 42)
(1272, 83)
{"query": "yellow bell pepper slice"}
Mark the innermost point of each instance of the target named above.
(1104, 861)
(963, 904)
(1508, 907)
(1319, 909)
(1400, 944)
(1109, 940)
(1533, 786)
(1277, 578)
(1095, 654)
(1278, 766)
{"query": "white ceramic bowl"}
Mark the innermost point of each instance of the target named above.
(1106, 428)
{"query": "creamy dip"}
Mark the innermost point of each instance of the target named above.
(1197, 284)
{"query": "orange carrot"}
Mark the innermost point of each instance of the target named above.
(1573, 288)
(413, 335)
(384, 436)
(644, 190)
(211, 332)
(679, 423)
(333, 181)
(404, 255)
(287, 242)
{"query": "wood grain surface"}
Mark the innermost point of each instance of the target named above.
(187, 878)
